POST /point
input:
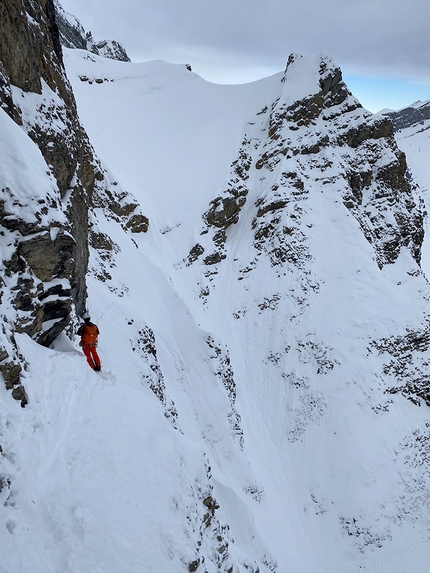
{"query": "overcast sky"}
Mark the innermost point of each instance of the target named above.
(382, 46)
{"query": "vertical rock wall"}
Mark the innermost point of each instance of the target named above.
(45, 269)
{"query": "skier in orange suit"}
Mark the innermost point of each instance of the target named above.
(89, 334)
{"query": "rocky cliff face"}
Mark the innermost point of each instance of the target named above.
(310, 142)
(73, 35)
(48, 263)
(43, 211)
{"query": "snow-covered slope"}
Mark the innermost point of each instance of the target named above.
(259, 343)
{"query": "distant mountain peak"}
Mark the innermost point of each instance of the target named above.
(412, 115)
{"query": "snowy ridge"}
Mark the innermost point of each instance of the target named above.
(246, 420)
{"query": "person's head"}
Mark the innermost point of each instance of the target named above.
(86, 317)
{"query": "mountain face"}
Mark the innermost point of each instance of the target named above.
(412, 133)
(415, 115)
(42, 240)
(264, 398)
(331, 135)
(73, 35)
(44, 209)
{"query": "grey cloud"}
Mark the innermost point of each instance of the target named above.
(379, 36)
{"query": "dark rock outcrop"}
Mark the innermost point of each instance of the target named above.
(406, 364)
(72, 33)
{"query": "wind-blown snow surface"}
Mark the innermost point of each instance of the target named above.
(248, 428)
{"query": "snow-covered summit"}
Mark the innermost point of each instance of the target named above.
(315, 136)
(306, 75)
